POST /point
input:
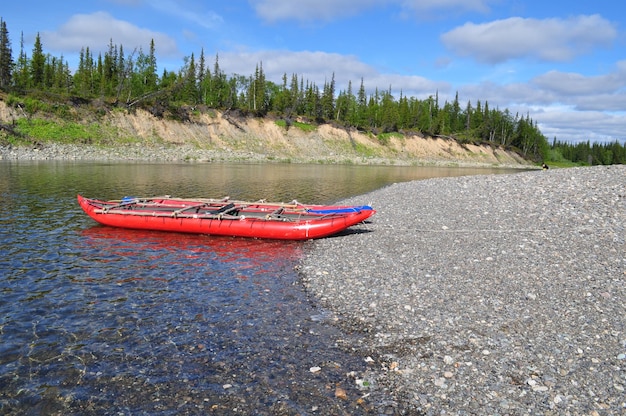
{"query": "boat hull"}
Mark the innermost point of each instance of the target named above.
(254, 222)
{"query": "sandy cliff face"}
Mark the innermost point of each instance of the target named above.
(215, 130)
(219, 131)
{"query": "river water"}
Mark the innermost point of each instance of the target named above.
(95, 320)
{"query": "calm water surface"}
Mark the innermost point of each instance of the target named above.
(95, 320)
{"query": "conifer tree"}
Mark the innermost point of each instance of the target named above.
(257, 93)
(6, 58)
(361, 106)
(62, 76)
(328, 99)
(37, 64)
(110, 75)
(189, 92)
(151, 69)
(202, 75)
(84, 74)
(350, 109)
(296, 94)
(216, 93)
(21, 77)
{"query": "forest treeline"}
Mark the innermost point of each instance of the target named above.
(130, 80)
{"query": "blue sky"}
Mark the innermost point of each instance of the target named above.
(564, 63)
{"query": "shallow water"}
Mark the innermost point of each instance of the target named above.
(96, 320)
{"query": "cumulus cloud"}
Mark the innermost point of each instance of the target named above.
(573, 84)
(554, 40)
(605, 92)
(608, 103)
(96, 30)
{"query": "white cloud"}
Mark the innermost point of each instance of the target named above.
(615, 103)
(554, 40)
(573, 84)
(570, 84)
(606, 93)
(96, 30)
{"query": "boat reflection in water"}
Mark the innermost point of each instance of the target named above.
(196, 253)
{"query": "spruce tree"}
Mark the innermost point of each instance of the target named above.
(6, 58)
(21, 76)
(37, 64)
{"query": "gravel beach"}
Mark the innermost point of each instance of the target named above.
(491, 295)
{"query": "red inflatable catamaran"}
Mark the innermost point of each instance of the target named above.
(260, 219)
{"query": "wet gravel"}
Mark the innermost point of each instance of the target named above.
(499, 295)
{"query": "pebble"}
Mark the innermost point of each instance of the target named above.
(341, 393)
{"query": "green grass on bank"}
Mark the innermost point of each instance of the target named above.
(306, 127)
(565, 164)
(555, 159)
(385, 138)
(61, 132)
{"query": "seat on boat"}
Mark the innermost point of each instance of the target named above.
(223, 210)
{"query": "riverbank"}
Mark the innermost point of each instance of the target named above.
(500, 294)
(212, 135)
